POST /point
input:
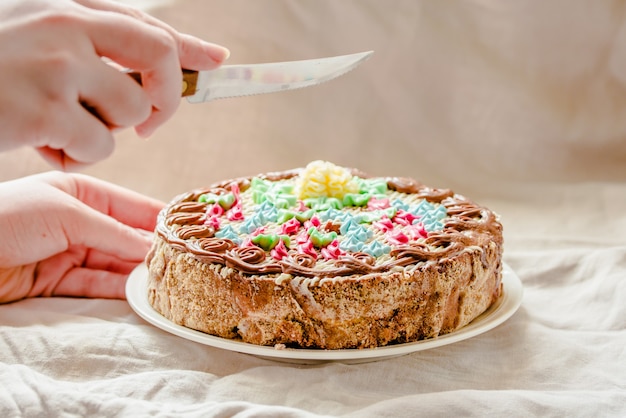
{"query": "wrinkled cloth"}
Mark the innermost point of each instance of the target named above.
(520, 106)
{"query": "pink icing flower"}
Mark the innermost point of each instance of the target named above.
(260, 230)
(397, 238)
(290, 227)
(213, 221)
(374, 203)
(384, 224)
(404, 218)
(214, 210)
(247, 242)
(303, 237)
(314, 221)
(302, 207)
(332, 251)
(417, 231)
(235, 213)
(279, 251)
(307, 248)
(234, 188)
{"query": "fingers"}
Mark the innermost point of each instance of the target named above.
(194, 53)
(147, 49)
(75, 139)
(85, 282)
(101, 216)
(100, 232)
(108, 100)
(154, 49)
(129, 207)
(79, 272)
(114, 98)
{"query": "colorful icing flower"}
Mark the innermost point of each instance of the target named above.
(279, 251)
(313, 222)
(269, 241)
(235, 213)
(307, 248)
(266, 212)
(405, 218)
(356, 199)
(258, 231)
(324, 179)
(400, 204)
(376, 249)
(351, 243)
(372, 186)
(332, 251)
(417, 231)
(320, 239)
(250, 224)
(330, 214)
(228, 232)
(226, 200)
(384, 225)
(301, 206)
(303, 237)
(213, 221)
(352, 228)
(214, 210)
(375, 203)
(397, 238)
(290, 227)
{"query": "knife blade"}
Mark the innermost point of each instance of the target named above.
(250, 79)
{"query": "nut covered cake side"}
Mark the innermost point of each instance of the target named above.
(324, 257)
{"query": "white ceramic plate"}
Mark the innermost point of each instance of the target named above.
(509, 302)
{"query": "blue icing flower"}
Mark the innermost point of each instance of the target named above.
(421, 208)
(250, 225)
(330, 214)
(353, 228)
(228, 232)
(431, 223)
(266, 212)
(376, 248)
(351, 243)
(344, 217)
(400, 204)
(440, 212)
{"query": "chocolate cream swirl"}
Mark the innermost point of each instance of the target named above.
(182, 225)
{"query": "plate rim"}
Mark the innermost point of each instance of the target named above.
(508, 303)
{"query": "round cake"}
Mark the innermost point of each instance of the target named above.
(324, 257)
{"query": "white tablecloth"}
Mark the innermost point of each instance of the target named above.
(519, 106)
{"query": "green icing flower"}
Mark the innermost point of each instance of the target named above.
(226, 200)
(372, 186)
(269, 241)
(323, 203)
(278, 194)
(320, 239)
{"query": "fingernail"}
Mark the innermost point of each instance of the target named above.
(218, 53)
(143, 133)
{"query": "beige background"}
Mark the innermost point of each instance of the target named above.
(480, 96)
(518, 104)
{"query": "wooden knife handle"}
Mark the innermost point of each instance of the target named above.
(190, 81)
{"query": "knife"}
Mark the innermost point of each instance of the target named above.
(246, 80)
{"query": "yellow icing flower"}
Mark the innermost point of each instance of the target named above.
(324, 179)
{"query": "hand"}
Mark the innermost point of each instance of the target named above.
(70, 235)
(59, 95)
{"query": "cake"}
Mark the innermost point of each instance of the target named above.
(324, 257)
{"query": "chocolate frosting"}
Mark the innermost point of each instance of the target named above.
(468, 225)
